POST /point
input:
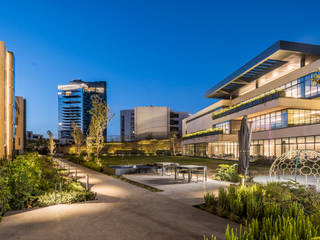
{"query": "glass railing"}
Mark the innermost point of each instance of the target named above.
(250, 103)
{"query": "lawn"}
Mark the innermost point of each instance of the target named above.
(212, 164)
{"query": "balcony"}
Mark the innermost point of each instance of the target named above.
(204, 133)
(248, 104)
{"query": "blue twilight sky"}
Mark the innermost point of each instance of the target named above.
(162, 53)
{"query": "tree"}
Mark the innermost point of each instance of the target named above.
(173, 141)
(51, 142)
(100, 118)
(77, 137)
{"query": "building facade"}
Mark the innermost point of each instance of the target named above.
(74, 103)
(32, 136)
(150, 122)
(6, 102)
(20, 124)
(127, 125)
(275, 90)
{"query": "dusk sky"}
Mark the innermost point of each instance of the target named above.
(161, 53)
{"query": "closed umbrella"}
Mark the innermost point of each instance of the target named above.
(244, 137)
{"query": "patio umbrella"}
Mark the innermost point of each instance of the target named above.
(244, 138)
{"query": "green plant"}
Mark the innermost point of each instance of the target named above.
(29, 180)
(274, 211)
(227, 172)
(224, 110)
(199, 133)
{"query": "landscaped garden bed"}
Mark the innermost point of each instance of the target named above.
(32, 181)
(276, 211)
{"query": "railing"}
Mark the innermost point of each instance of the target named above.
(248, 104)
(203, 133)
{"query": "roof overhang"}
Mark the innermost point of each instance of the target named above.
(267, 61)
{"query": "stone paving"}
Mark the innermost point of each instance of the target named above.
(182, 191)
(122, 211)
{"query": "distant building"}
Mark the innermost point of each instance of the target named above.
(113, 138)
(6, 102)
(31, 136)
(20, 124)
(150, 122)
(74, 103)
(127, 125)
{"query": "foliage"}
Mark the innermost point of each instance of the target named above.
(203, 132)
(173, 143)
(29, 180)
(227, 172)
(224, 110)
(93, 165)
(100, 116)
(51, 142)
(274, 211)
(72, 193)
(316, 78)
(77, 137)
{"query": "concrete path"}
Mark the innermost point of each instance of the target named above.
(182, 191)
(122, 211)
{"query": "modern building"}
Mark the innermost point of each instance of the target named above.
(276, 92)
(6, 102)
(74, 103)
(127, 125)
(31, 136)
(150, 122)
(20, 124)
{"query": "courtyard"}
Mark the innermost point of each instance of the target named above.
(121, 211)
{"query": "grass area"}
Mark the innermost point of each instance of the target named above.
(212, 164)
(256, 168)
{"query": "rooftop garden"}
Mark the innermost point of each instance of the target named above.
(250, 103)
(207, 132)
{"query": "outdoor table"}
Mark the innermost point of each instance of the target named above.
(165, 164)
(190, 168)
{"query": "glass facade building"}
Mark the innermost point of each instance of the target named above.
(74, 103)
(289, 121)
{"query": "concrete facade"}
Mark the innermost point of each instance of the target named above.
(20, 124)
(275, 91)
(150, 122)
(6, 102)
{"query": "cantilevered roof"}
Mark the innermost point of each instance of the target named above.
(265, 62)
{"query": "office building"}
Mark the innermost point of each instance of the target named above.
(276, 92)
(32, 136)
(150, 122)
(74, 103)
(20, 124)
(127, 125)
(6, 102)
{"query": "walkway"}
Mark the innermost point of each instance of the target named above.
(122, 211)
(189, 193)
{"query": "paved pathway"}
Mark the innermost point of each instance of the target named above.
(122, 211)
(189, 193)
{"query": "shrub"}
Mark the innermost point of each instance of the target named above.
(273, 211)
(227, 173)
(163, 152)
(29, 180)
(93, 165)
